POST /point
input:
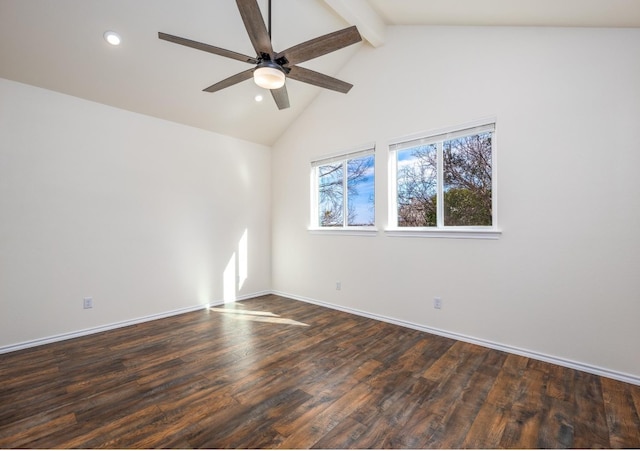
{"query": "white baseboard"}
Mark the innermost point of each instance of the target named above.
(604, 372)
(254, 295)
(623, 377)
(130, 322)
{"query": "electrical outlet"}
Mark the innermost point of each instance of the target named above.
(87, 303)
(437, 303)
(338, 286)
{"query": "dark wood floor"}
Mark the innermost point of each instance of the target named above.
(276, 373)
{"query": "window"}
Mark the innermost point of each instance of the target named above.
(343, 190)
(444, 182)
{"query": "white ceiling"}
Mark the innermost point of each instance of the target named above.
(58, 45)
(557, 13)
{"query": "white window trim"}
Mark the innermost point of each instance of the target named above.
(442, 231)
(352, 231)
(432, 232)
(315, 228)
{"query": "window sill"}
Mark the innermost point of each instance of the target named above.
(353, 231)
(479, 234)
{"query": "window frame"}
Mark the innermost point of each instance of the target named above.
(438, 137)
(344, 158)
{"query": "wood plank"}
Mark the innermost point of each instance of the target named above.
(560, 384)
(21, 433)
(621, 413)
(343, 436)
(447, 363)
(487, 428)
(527, 412)
(101, 433)
(474, 394)
(589, 421)
(182, 418)
(450, 429)
(245, 426)
(314, 424)
(491, 420)
(635, 394)
(389, 411)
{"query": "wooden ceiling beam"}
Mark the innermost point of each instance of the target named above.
(360, 13)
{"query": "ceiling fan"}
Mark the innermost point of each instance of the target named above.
(272, 68)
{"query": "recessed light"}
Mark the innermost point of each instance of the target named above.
(258, 98)
(112, 37)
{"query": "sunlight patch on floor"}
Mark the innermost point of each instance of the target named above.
(256, 316)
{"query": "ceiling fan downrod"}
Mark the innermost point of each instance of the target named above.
(269, 18)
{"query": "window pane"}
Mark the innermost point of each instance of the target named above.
(330, 195)
(467, 181)
(417, 186)
(360, 191)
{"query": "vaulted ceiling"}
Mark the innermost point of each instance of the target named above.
(59, 45)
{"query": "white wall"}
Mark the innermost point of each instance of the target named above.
(563, 281)
(146, 216)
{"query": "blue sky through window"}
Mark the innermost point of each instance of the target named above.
(362, 203)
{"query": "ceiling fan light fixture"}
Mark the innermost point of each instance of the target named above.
(269, 77)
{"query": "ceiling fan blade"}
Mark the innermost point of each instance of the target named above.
(207, 48)
(254, 23)
(320, 46)
(281, 97)
(234, 79)
(317, 79)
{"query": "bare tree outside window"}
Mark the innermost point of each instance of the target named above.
(466, 182)
(358, 198)
(417, 186)
(331, 191)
